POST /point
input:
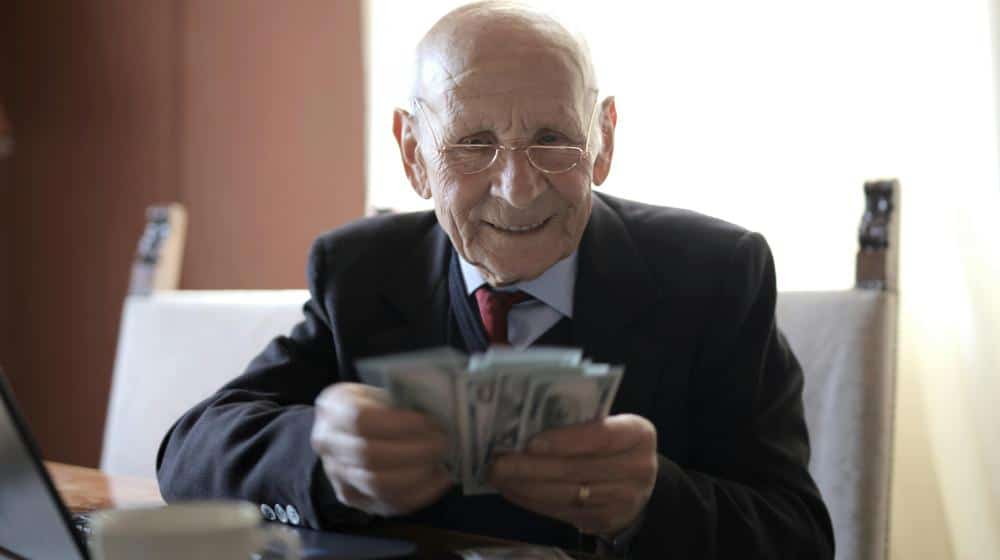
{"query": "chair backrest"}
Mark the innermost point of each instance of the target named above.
(845, 341)
(157, 264)
(175, 349)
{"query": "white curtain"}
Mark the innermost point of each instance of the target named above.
(772, 114)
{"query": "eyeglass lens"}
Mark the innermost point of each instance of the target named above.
(473, 159)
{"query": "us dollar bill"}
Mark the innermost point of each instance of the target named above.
(537, 357)
(561, 401)
(494, 402)
(425, 382)
(610, 389)
(515, 370)
(481, 402)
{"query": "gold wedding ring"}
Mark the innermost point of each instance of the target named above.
(582, 495)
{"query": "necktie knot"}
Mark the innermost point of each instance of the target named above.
(494, 307)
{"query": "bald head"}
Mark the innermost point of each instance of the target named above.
(500, 38)
(492, 75)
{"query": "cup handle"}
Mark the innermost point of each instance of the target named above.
(289, 541)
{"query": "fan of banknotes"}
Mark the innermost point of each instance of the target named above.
(494, 402)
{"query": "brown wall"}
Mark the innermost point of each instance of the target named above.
(248, 112)
(271, 136)
(5, 261)
(6, 297)
(6, 229)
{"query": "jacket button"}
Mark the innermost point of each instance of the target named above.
(267, 512)
(293, 515)
(282, 514)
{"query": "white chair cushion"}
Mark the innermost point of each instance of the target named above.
(845, 341)
(175, 349)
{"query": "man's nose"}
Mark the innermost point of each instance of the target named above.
(519, 183)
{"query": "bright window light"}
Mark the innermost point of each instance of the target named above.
(769, 114)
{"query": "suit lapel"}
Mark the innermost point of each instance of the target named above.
(614, 290)
(613, 283)
(415, 289)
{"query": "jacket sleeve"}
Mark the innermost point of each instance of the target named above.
(746, 491)
(250, 440)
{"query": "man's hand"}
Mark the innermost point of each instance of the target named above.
(379, 459)
(596, 476)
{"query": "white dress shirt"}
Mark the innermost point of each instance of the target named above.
(552, 294)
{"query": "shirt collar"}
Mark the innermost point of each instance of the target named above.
(553, 288)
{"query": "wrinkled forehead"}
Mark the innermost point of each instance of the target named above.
(524, 86)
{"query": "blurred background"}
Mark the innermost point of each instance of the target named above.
(271, 122)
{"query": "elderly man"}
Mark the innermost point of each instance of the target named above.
(705, 452)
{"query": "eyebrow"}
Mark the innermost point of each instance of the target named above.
(564, 123)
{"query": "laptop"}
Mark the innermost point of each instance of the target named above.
(35, 523)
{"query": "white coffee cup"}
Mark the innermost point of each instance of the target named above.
(216, 530)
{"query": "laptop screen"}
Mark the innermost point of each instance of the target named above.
(33, 522)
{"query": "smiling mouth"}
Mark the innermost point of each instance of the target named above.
(529, 228)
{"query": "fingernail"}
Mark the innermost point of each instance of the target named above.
(539, 445)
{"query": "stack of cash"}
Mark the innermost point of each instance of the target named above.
(494, 402)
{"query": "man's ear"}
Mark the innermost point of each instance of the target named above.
(404, 129)
(608, 121)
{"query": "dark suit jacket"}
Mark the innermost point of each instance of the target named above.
(685, 301)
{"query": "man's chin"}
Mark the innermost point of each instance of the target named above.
(496, 274)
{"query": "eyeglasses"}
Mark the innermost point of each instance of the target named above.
(469, 159)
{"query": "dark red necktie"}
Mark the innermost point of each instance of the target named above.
(493, 310)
